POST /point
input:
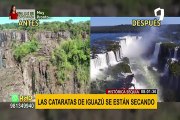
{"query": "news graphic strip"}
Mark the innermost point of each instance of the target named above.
(96, 101)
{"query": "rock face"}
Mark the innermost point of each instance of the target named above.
(164, 54)
(167, 51)
(47, 35)
(42, 77)
(7, 38)
(169, 64)
(35, 73)
(100, 86)
(10, 35)
(11, 78)
(11, 83)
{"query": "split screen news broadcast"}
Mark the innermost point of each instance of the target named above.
(56, 62)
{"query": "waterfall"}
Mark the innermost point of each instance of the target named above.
(107, 59)
(130, 45)
(166, 69)
(112, 58)
(94, 67)
(134, 47)
(130, 40)
(93, 63)
(175, 52)
(171, 52)
(123, 46)
(118, 56)
(144, 78)
(100, 62)
(156, 53)
(120, 49)
(137, 85)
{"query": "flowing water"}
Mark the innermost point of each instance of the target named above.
(156, 52)
(102, 61)
(112, 58)
(131, 47)
(175, 52)
(145, 78)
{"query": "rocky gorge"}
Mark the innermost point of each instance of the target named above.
(34, 73)
(168, 62)
(149, 58)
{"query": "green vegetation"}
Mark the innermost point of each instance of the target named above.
(175, 68)
(119, 68)
(166, 50)
(126, 60)
(76, 29)
(168, 45)
(71, 57)
(20, 51)
(107, 44)
(72, 60)
(124, 67)
(113, 47)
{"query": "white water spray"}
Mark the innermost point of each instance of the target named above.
(134, 47)
(112, 58)
(156, 53)
(101, 62)
(166, 69)
(175, 52)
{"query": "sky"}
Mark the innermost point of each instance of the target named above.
(4, 20)
(111, 21)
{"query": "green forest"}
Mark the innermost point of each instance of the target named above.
(71, 56)
(21, 50)
(75, 28)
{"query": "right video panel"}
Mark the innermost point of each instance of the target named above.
(136, 53)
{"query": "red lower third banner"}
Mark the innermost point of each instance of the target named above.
(131, 91)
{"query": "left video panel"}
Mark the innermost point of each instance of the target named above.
(44, 56)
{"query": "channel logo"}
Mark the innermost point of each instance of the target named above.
(161, 16)
(21, 98)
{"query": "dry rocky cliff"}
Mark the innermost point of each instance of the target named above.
(35, 73)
